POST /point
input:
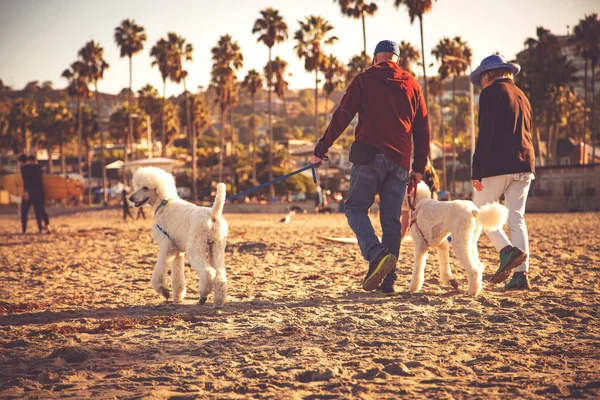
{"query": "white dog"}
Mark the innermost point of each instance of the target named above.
(181, 227)
(433, 221)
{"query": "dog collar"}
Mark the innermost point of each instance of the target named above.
(161, 205)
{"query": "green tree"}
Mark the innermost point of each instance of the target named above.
(271, 29)
(22, 112)
(313, 35)
(78, 88)
(130, 38)
(93, 65)
(587, 40)
(416, 9)
(408, 56)
(359, 9)
(252, 82)
(334, 73)
(227, 60)
(162, 53)
(55, 126)
(356, 65)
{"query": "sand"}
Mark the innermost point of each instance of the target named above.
(79, 319)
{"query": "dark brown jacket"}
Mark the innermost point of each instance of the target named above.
(504, 143)
(391, 108)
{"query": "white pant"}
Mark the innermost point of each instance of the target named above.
(515, 196)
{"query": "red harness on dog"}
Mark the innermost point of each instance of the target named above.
(411, 194)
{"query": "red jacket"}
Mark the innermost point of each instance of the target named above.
(390, 106)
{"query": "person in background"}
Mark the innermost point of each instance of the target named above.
(33, 194)
(504, 163)
(126, 212)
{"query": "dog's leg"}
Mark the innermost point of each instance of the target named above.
(475, 249)
(178, 274)
(446, 276)
(217, 259)
(197, 256)
(421, 249)
(159, 276)
(463, 243)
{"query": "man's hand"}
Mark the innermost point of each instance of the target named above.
(25, 196)
(477, 185)
(416, 176)
(315, 160)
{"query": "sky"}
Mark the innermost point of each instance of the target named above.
(40, 38)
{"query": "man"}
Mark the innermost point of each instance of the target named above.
(390, 106)
(125, 203)
(504, 162)
(33, 194)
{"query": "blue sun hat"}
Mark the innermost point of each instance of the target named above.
(387, 46)
(489, 63)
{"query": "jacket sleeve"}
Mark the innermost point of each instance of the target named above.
(487, 121)
(341, 118)
(420, 132)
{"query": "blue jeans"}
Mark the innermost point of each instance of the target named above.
(382, 176)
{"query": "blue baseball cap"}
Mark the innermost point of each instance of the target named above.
(387, 46)
(492, 62)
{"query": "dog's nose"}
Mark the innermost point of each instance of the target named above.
(131, 199)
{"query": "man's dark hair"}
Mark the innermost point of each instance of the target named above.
(22, 158)
(30, 158)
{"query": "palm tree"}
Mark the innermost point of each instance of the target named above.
(313, 35)
(227, 60)
(334, 73)
(416, 9)
(130, 38)
(93, 66)
(163, 58)
(272, 29)
(183, 51)
(587, 39)
(252, 82)
(356, 65)
(78, 88)
(358, 9)
(278, 82)
(444, 48)
(408, 55)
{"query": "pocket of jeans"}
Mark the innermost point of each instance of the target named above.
(402, 174)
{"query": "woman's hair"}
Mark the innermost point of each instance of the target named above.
(497, 73)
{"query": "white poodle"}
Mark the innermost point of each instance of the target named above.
(433, 221)
(181, 227)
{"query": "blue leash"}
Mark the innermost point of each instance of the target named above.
(309, 166)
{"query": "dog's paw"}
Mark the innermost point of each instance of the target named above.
(454, 283)
(202, 300)
(165, 292)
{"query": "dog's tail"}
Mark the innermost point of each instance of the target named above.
(492, 216)
(217, 208)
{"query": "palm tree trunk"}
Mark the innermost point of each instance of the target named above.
(254, 143)
(163, 150)
(221, 143)
(128, 140)
(270, 125)
(537, 143)
(63, 161)
(594, 124)
(104, 178)
(316, 104)
(585, 102)
(191, 136)
(79, 138)
(90, 156)
(443, 138)
(423, 62)
(364, 38)
(454, 135)
(232, 134)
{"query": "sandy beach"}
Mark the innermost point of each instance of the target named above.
(79, 318)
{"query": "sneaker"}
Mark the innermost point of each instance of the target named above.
(510, 258)
(387, 289)
(519, 281)
(378, 270)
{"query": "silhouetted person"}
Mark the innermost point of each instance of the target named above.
(126, 212)
(33, 194)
